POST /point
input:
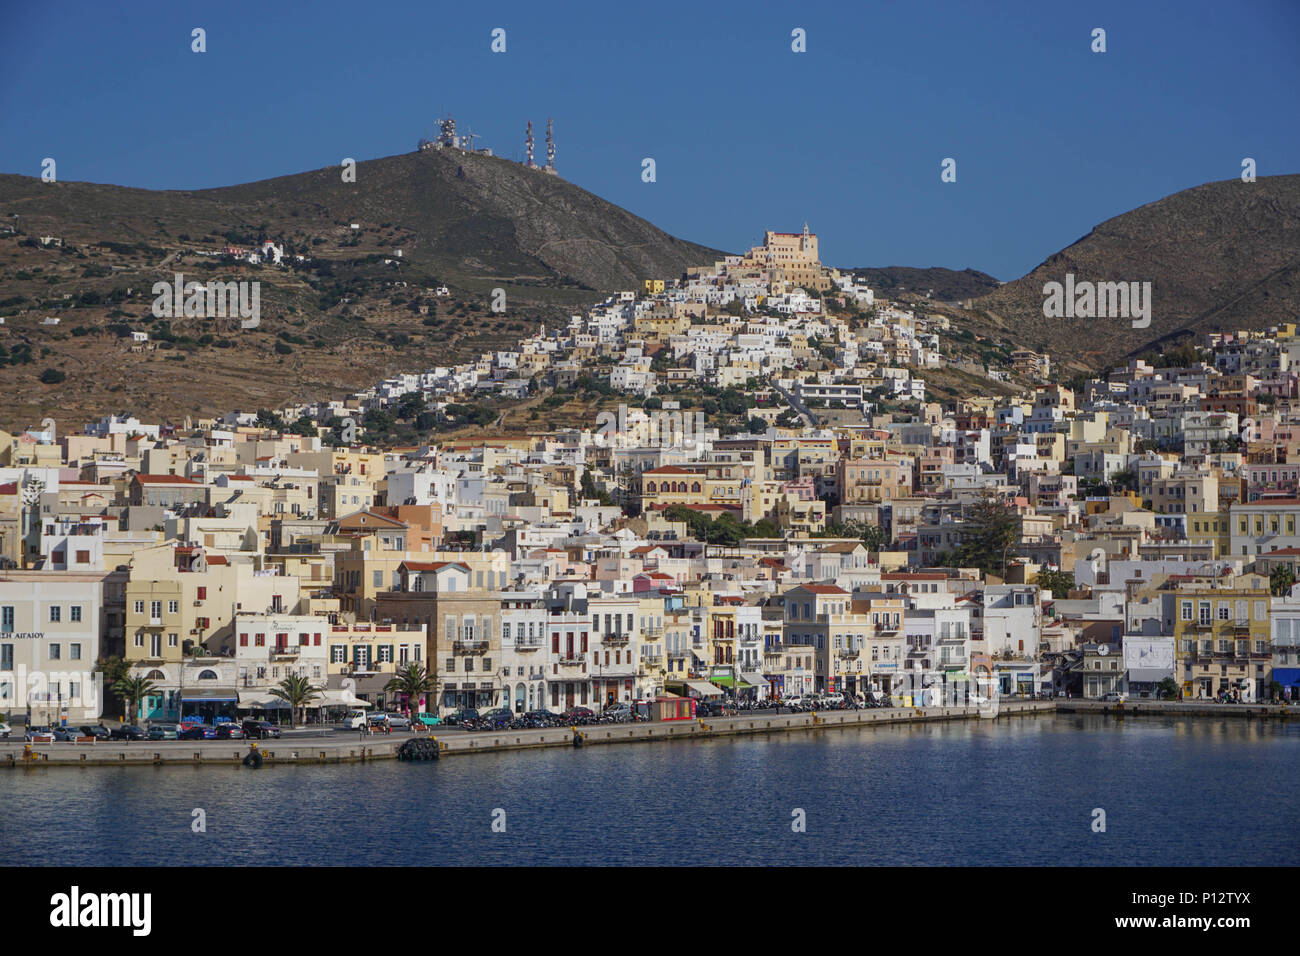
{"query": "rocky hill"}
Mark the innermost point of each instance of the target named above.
(351, 311)
(1221, 256)
(942, 285)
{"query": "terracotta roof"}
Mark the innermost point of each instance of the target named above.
(431, 565)
(163, 480)
(821, 589)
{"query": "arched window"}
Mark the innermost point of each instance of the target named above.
(207, 675)
(155, 675)
(695, 486)
(650, 487)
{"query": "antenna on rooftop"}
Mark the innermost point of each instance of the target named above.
(550, 144)
(528, 146)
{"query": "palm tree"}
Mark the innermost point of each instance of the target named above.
(114, 669)
(413, 681)
(133, 690)
(1281, 579)
(297, 692)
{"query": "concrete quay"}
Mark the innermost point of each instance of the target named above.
(1173, 708)
(349, 748)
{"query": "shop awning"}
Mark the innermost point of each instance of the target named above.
(210, 695)
(702, 689)
(340, 698)
(1287, 676)
(1148, 675)
(261, 701)
(753, 680)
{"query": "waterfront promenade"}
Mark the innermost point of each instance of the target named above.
(348, 746)
(341, 746)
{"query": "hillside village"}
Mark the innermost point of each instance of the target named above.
(772, 502)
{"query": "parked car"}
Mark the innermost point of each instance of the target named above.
(1114, 696)
(40, 734)
(399, 721)
(199, 732)
(497, 718)
(260, 729)
(355, 720)
(98, 731)
(710, 708)
(229, 731)
(833, 700)
(5, 730)
(619, 711)
(578, 713)
(164, 732)
(428, 720)
(457, 717)
(127, 732)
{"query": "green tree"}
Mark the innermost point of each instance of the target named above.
(268, 419)
(303, 426)
(413, 682)
(992, 529)
(133, 690)
(1280, 580)
(113, 670)
(1058, 582)
(1168, 689)
(1125, 479)
(297, 692)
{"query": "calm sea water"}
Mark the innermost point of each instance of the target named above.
(1012, 792)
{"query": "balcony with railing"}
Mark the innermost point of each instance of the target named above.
(471, 646)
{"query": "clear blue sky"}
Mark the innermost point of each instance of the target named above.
(1049, 138)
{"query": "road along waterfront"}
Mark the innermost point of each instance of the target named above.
(347, 747)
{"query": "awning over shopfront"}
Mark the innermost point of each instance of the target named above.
(261, 701)
(1287, 676)
(701, 689)
(210, 695)
(753, 680)
(1148, 675)
(340, 698)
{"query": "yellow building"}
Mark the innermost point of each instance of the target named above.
(176, 595)
(1221, 632)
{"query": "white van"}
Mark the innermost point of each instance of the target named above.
(355, 720)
